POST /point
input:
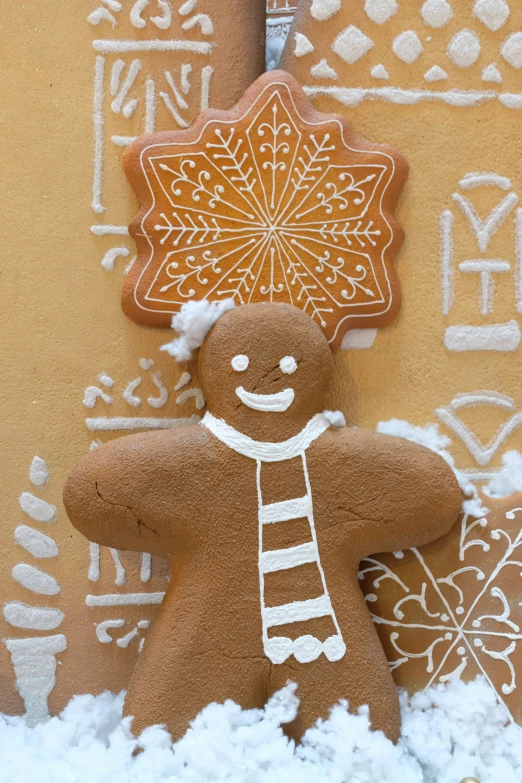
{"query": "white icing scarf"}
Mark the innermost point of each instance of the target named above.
(279, 648)
(266, 451)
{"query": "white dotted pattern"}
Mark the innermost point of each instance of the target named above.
(435, 74)
(288, 365)
(436, 13)
(408, 47)
(492, 13)
(240, 362)
(352, 44)
(380, 11)
(464, 49)
(512, 50)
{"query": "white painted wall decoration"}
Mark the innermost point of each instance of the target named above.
(504, 335)
(124, 88)
(146, 403)
(34, 658)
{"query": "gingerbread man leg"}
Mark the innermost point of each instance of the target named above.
(174, 692)
(361, 676)
(181, 670)
(321, 684)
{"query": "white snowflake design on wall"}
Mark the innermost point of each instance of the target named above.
(453, 609)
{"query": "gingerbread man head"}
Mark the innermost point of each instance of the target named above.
(265, 369)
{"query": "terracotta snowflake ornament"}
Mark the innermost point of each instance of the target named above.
(453, 609)
(268, 202)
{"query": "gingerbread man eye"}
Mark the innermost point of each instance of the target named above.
(288, 365)
(240, 362)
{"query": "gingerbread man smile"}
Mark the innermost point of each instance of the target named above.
(271, 403)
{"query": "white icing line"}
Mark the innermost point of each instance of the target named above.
(297, 611)
(103, 627)
(518, 250)
(36, 508)
(483, 397)
(34, 663)
(203, 20)
(124, 599)
(198, 395)
(272, 403)
(35, 579)
(282, 559)
(110, 46)
(38, 472)
(106, 424)
(99, 69)
(266, 452)
(163, 396)
(35, 542)
(36, 618)
(146, 567)
(486, 268)
(504, 338)
(206, 77)
(353, 96)
(94, 562)
(447, 221)
(104, 378)
(511, 100)
(479, 179)
(121, 574)
(150, 105)
(485, 230)
(128, 393)
(92, 394)
(109, 259)
(285, 510)
(186, 378)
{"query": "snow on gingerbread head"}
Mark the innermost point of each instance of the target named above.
(264, 511)
(270, 201)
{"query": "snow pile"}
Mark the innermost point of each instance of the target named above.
(430, 437)
(193, 322)
(449, 732)
(509, 479)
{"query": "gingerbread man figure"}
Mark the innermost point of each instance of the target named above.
(264, 510)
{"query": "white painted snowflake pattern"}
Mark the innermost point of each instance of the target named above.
(453, 609)
(269, 202)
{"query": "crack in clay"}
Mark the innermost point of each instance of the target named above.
(139, 522)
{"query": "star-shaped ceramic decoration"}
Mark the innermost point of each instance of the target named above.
(270, 201)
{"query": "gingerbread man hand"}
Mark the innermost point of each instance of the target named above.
(265, 512)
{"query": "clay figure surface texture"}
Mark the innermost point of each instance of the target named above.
(264, 511)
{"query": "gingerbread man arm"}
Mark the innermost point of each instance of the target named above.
(125, 494)
(396, 493)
